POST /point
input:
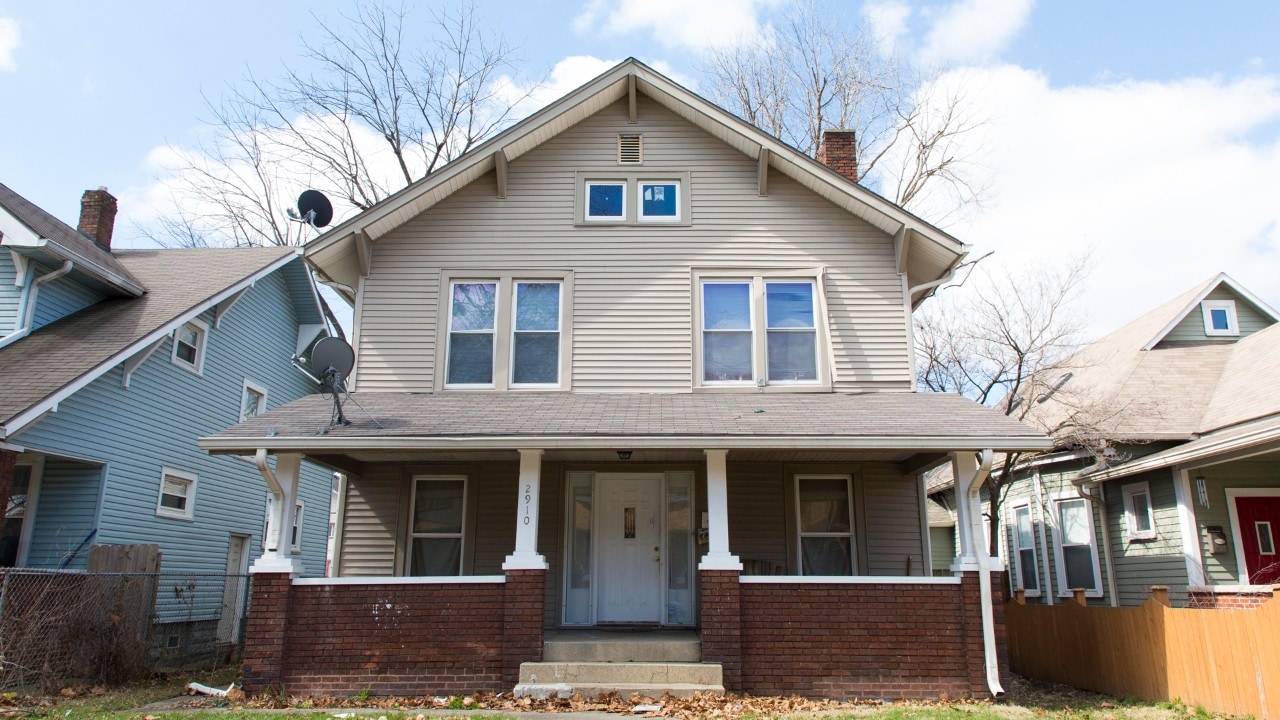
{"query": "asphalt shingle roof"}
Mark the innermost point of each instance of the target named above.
(58, 232)
(495, 415)
(177, 280)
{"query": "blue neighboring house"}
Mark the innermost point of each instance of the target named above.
(113, 362)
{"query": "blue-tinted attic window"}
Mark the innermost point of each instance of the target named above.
(606, 201)
(1220, 320)
(660, 200)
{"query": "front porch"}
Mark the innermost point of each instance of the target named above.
(788, 531)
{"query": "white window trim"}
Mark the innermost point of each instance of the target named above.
(1233, 326)
(1131, 516)
(187, 513)
(34, 482)
(299, 512)
(659, 219)
(1015, 550)
(504, 323)
(248, 386)
(511, 366)
(413, 503)
(448, 325)
(1059, 564)
(853, 524)
(630, 177)
(586, 201)
(757, 278)
(299, 507)
(203, 329)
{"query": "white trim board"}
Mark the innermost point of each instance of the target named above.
(847, 580)
(1242, 570)
(404, 580)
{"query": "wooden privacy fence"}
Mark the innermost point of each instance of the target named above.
(1223, 660)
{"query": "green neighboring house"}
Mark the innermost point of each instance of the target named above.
(1183, 490)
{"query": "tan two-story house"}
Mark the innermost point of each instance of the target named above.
(632, 364)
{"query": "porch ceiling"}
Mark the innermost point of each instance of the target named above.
(605, 457)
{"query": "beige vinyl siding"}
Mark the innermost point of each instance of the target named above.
(1223, 568)
(1249, 319)
(630, 319)
(942, 548)
(761, 507)
(493, 536)
(371, 522)
(891, 513)
(1139, 564)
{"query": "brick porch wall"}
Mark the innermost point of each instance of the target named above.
(391, 639)
(890, 640)
(1209, 599)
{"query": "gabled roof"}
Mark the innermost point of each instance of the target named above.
(927, 252)
(58, 359)
(1136, 387)
(1194, 297)
(29, 230)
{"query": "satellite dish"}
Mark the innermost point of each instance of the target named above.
(315, 208)
(333, 356)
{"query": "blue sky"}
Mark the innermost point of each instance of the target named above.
(1148, 132)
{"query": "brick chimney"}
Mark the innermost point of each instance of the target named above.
(98, 215)
(839, 152)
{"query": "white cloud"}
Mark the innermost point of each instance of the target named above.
(10, 39)
(1168, 183)
(567, 75)
(697, 26)
(971, 31)
(888, 21)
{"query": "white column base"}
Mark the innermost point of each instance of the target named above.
(271, 562)
(520, 561)
(720, 561)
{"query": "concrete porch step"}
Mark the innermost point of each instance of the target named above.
(591, 679)
(588, 646)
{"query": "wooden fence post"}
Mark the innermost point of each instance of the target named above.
(1078, 595)
(1020, 596)
(1160, 593)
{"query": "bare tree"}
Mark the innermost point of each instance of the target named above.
(1007, 341)
(809, 73)
(381, 105)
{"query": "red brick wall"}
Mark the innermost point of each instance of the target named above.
(721, 620)
(1224, 600)
(892, 641)
(392, 639)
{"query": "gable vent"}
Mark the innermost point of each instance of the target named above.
(630, 149)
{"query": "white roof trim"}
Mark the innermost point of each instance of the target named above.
(1198, 453)
(1220, 279)
(50, 402)
(17, 234)
(328, 443)
(608, 87)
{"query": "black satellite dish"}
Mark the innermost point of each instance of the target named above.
(315, 208)
(332, 360)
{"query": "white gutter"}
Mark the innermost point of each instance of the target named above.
(29, 312)
(984, 574)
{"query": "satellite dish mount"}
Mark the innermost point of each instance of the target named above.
(314, 209)
(332, 359)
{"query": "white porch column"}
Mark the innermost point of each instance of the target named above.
(718, 556)
(526, 555)
(283, 482)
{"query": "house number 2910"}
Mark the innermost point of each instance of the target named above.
(528, 500)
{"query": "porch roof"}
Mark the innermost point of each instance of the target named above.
(458, 420)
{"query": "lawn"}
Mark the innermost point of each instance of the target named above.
(1026, 701)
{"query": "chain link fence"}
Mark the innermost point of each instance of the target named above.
(104, 627)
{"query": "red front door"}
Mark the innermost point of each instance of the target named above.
(1259, 519)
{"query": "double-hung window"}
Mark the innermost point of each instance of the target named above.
(1026, 572)
(760, 331)
(1139, 520)
(505, 332)
(189, 344)
(1077, 549)
(437, 526)
(177, 494)
(824, 510)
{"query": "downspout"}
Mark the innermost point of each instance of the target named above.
(984, 575)
(277, 492)
(29, 312)
(1101, 503)
(935, 283)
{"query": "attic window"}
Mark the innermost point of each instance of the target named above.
(1054, 388)
(630, 149)
(1220, 317)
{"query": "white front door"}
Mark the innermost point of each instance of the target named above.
(628, 526)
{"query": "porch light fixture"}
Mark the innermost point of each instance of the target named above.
(624, 454)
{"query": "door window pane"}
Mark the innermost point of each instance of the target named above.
(679, 548)
(578, 593)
